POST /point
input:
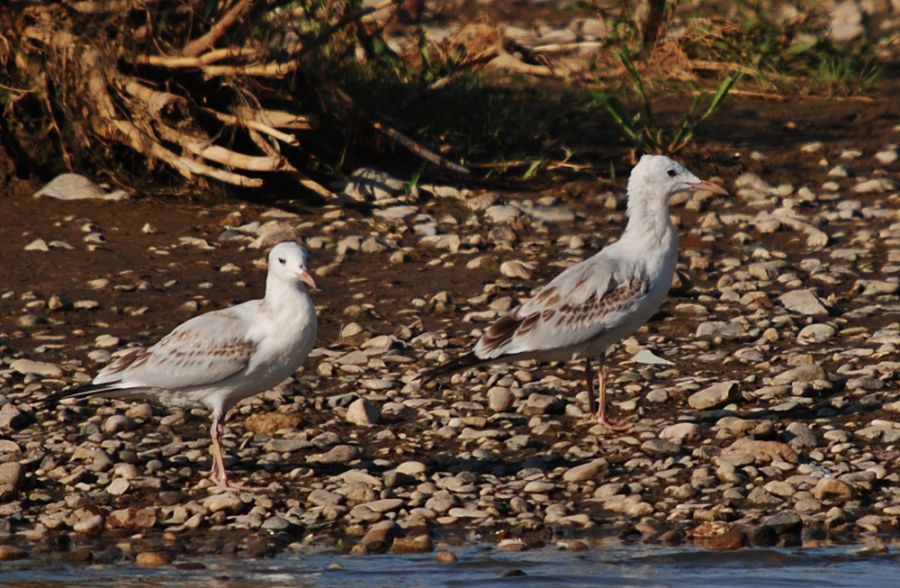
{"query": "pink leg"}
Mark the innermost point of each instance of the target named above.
(592, 401)
(600, 416)
(218, 474)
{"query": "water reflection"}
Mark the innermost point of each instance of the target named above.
(619, 565)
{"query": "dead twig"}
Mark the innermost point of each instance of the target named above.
(350, 105)
(208, 58)
(208, 40)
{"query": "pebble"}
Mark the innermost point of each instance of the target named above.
(803, 302)
(38, 368)
(714, 396)
(362, 412)
(151, 559)
(585, 471)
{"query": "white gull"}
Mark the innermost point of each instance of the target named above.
(603, 299)
(219, 358)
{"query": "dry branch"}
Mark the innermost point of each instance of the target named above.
(346, 102)
(209, 39)
(208, 58)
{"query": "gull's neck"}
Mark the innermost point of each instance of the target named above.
(648, 218)
(282, 296)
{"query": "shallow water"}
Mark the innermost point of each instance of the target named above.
(623, 565)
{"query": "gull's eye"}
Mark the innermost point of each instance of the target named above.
(671, 173)
(281, 260)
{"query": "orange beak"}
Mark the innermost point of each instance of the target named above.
(307, 278)
(709, 187)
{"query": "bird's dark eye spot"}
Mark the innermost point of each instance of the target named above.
(281, 260)
(671, 173)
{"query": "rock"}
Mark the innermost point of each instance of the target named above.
(800, 436)
(383, 505)
(85, 520)
(12, 419)
(37, 368)
(815, 333)
(716, 395)
(118, 487)
(412, 468)
(337, 454)
(512, 545)
(809, 372)
(747, 451)
(269, 422)
(834, 490)
(717, 536)
(679, 432)
(499, 399)
(585, 471)
(846, 21)
(783, 523)
(468, 513)
(725, 330)
(803, 302)
(77, 187)
(226, 501)
(11, 552)
(117, 423)
(152, 559)
(516, 269)
(12, 474)
(445, 557)
(395, 213)
(659, 447)
(132, 519)
(875, 185)
(502, 213)
(417, 544)
(370, 184)
(362, 412)
(647, 357)
(37, 245)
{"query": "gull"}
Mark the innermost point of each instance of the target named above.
(600, 300)
(219, 358)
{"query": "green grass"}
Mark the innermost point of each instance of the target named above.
(642, 128)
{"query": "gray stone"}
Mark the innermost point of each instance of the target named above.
(362, 412)
(714, 396)
(846, 21)
(800, 436)
(815, 333)
(500, 399)
(77, 187)
(803, 302)
(37, 368)
(679, 432)
(585, 471)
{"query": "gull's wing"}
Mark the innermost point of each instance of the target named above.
(583, 302)
(202, 351)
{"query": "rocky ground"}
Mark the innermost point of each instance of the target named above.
(766, 411)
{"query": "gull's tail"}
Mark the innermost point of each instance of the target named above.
(104, 390)
(454, 365)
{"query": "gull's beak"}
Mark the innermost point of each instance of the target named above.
(709, 187)
(307, 278)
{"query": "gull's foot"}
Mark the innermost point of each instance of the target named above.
(610, 424)
(229, 486)
(223, 484)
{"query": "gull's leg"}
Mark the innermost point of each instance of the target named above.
(218, 474)
(600, 416)
(215, 434)
(589, 376)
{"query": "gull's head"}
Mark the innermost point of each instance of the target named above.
(660, 176)
(287, 261)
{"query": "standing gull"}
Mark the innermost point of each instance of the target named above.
(217, 359)
(602, 299)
